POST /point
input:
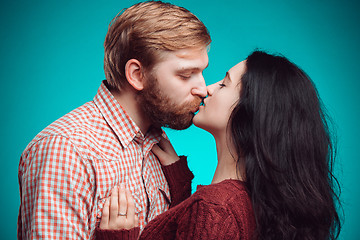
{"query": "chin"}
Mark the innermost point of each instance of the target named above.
(206, 125)
(197, 121)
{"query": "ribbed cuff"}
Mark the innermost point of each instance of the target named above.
(106, 234)
(178, 171)
(178, 176)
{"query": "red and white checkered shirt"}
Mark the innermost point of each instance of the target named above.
(69, 168)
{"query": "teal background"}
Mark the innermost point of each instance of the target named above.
(52, 62)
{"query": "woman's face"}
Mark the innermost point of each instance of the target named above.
(222, 97)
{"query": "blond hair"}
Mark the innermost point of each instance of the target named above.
(145, 30)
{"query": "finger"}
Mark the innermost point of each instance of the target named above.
(114, 199)
(104, 223)
(166, 146)
(157, 151)
(122, 199)
(130, 209)
(163, 143)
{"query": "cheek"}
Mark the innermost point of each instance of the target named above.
(220, 107)
(213, 117)
(176, 89)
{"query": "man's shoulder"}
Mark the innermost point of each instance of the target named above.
(75, 126)
(78, 118)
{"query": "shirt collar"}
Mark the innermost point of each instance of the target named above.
(119, 121)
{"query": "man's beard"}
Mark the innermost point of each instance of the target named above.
(161, 111)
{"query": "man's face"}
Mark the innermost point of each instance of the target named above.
(174, 88)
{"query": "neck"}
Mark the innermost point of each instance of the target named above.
(127, 100)
(227, 158)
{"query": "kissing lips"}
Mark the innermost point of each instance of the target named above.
(195, 109)
(195, 105)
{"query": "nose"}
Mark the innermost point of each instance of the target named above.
(200, 88)
(210, 89)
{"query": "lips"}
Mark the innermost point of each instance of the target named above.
(195, 109)
(194, 106)
(203, 102)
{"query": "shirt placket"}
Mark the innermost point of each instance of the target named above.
(140, 139)
(147, 172)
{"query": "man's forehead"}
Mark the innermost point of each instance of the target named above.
(185, 59)
(188, 53)
(191, 53)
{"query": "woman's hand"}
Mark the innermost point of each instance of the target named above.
(165, 152)
(119, 210)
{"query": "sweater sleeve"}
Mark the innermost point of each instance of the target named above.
(178, 176)
(105, 234)
(197, 220)
(208, 221)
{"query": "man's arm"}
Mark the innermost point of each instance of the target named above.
(56, 190)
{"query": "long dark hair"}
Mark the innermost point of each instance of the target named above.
(281, 134)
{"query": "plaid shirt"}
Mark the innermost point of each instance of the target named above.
(69, 168)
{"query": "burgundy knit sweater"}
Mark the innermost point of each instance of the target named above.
(216, 211)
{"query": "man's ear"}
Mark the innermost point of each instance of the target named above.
(134, 74)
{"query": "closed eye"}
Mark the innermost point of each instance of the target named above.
(222, 85)
(184, 77)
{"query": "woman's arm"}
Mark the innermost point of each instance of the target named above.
(178, 176)
(196, 218)
(176, 171)
(193, 219)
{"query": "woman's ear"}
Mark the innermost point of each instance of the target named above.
(134, 74)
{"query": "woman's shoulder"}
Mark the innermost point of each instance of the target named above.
(231, 200)
(224, 192)
(228, 196)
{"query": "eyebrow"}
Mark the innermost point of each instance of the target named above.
(191, 69)
(228, 76)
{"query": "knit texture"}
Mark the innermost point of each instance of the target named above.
(178, 176)
(106, 234)
(216, 211)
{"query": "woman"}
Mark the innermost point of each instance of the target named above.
(273, 179)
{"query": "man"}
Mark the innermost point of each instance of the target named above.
(155, 54)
